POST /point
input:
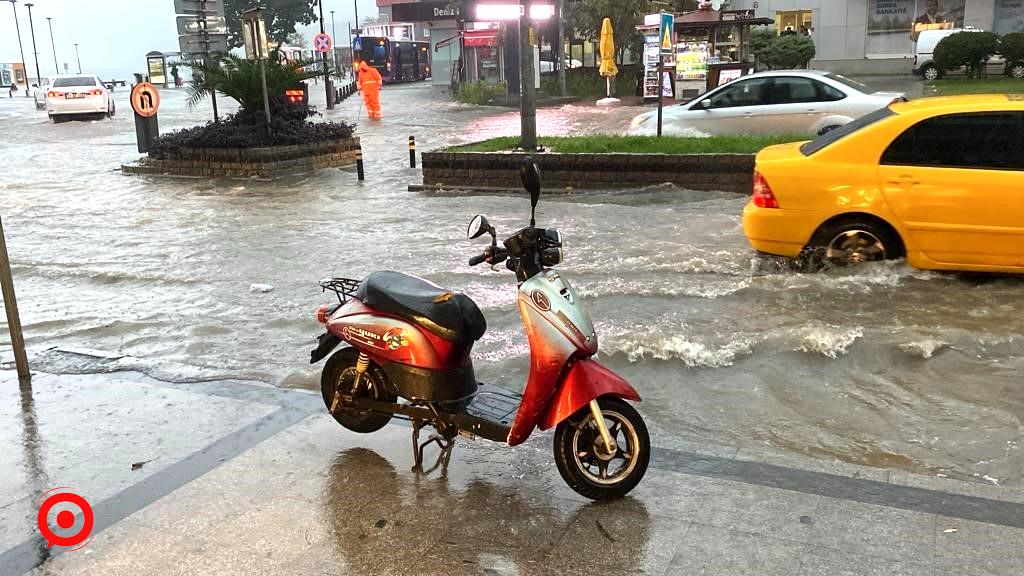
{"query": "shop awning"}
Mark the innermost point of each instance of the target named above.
(478, 38)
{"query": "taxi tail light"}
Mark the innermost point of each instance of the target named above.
(95, 92)
(54, 94)
(763, 196)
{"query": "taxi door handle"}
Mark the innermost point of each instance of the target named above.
(904, 179)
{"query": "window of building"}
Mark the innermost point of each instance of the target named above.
(794, 21)
(987, 141)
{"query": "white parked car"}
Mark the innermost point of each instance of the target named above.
(924, 57)
(549, 66)
(78, 94)
(777, 102)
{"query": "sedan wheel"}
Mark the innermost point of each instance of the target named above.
(854, 247)
(931, 72)
(849, 243)
(1017, 70)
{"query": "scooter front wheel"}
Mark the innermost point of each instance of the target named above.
(340, 373)
(585, 462)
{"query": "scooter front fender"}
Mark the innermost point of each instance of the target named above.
(585, 380)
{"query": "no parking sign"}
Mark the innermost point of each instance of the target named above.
(322, 42)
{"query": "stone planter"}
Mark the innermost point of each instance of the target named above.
(490, 170)
(266, 162)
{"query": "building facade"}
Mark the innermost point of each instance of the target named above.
(877, 36)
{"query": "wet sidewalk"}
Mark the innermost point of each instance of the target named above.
(242, 478)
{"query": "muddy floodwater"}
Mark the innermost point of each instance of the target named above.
(190, 280)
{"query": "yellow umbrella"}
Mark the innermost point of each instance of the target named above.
(608, 68)
(608, 49)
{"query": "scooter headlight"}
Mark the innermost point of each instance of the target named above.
(551, 256)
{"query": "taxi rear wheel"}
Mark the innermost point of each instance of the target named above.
(850, 242)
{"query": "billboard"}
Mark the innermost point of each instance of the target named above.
(1009, 16)
(893, 25)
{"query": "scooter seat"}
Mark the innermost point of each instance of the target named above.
(452, 316)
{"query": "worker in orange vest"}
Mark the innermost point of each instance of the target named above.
(369, 82)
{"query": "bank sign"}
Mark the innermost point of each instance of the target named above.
(427, 11)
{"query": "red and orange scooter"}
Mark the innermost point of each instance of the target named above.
(408, 355)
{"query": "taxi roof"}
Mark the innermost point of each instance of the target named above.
(961, 103)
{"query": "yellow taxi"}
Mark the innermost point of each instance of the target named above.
(939, 181)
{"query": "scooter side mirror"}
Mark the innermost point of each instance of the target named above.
(478, 226)
(529, 174)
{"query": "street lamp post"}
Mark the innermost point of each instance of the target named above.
(77, 59)
(35, 51)
(334, 43)
(53, 45)
(17, 28)
(355, 5)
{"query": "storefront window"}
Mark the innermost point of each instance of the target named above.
(794, 21)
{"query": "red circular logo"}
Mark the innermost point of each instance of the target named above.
(541, 300)
(65, 519)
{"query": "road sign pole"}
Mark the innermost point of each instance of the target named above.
(323, 56)
(145, 100)
(661, 89)
(206, 51)
(13, 320)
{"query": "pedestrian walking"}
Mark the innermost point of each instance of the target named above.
(368, 83)
(13, 89)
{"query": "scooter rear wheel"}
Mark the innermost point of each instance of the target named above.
(340, 371)
(584, 462)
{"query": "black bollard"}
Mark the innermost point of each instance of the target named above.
(359, 163)
(412, 151)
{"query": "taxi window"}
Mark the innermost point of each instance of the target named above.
(981, 141)
(833, 136)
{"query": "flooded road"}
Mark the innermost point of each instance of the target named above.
(883, 365)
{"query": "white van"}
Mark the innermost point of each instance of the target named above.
(924, 61)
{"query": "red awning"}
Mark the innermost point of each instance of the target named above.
(478, 38)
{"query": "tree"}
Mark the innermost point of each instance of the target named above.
(296, 39)
(1012, 48)
(780, 52)
(584, 17)
(970, 49)
(281, 17)
(240, 78)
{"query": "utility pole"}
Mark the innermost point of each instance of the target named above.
(17, 27)
(49, 21)
(201, 18)
(355, 5)
(323, 58)
(527, 100)
(79, 60)
(13, 321)
(35, 51)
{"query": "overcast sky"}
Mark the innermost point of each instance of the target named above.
(113, 36)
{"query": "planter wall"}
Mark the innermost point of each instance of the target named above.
(266, 162)
(728, 172)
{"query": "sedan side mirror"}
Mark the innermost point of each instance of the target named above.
(704, 104)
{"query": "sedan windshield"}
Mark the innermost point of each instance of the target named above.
(834, 136)
(74, 81)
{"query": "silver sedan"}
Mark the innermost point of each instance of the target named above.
(778, 102)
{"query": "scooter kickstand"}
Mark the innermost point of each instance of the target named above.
(445, 444)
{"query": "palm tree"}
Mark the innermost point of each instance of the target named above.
(239, 78)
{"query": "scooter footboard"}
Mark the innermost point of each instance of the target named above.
(586, 380)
